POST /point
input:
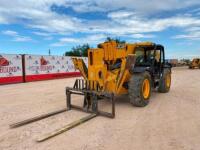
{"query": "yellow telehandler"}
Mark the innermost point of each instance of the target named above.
(195, 63)
(119, 68)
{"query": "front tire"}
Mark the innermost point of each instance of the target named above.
(140, 89)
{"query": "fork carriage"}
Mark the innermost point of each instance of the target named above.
(92, 95)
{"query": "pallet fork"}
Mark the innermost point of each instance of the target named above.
(92, 94)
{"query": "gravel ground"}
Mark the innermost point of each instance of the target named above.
(170, 122)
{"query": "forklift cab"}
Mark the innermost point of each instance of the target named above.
(151, 59)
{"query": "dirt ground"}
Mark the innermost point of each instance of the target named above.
(170, 122)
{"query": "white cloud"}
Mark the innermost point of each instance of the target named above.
(91, 39)
(192, 33)
(40, 16)
(36, 15)
(141, 6)
(48, 38)
(131, 20)
(138, 36)
(3, 20)
(16, 37)
(139, 25)
(10, 33)
(193, 29)
(191, 36)
(22, 39)
(42, 34)
(120, 14)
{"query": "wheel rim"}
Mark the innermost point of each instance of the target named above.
(146, 88)
(168, 80)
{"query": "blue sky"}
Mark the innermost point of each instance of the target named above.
(33, 27)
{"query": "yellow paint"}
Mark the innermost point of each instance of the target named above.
(107, 54)
(168, 80)
(79, 64)
(195, 63)
(146, 88)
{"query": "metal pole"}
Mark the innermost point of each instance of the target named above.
(30, 120)
(113, 105)
(68, 100)
(66, 128)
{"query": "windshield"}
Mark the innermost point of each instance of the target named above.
(144, 57)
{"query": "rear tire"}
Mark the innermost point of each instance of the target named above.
(165, 81)
(140, 89)
(191, 67)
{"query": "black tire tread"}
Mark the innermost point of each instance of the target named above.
(162, 88)
(134, 90)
